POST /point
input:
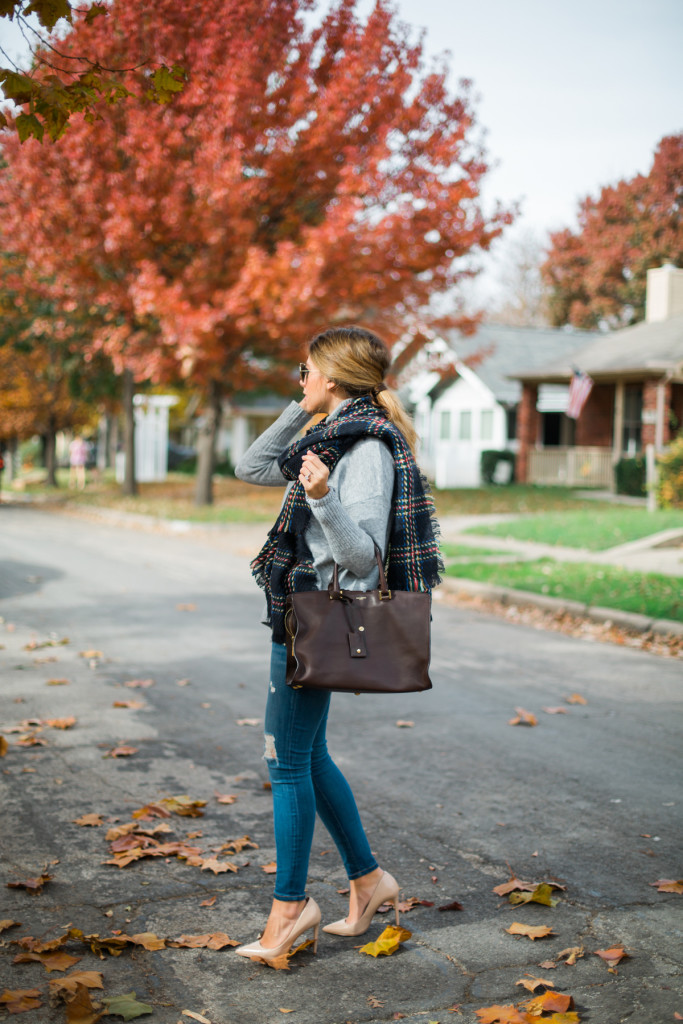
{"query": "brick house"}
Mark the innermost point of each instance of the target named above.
(636, 400)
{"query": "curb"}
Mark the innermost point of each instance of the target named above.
(508, 596)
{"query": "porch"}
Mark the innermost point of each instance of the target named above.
(576, 466)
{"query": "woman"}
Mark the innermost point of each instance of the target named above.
(352, 484)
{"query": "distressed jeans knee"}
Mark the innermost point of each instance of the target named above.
(270, 753)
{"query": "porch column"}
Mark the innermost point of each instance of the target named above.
(617, 440)
(662, 425)
(527, 430)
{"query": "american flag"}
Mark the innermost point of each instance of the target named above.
(579, 390)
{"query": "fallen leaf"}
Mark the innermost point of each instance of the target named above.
(523, 718)
(281, 963)
(530, 932)
(678, 1016)
(575, 698)
(549, 1002)
(32, 885)
(19, 999)
(612, 956)
(134, 704)
(237, 845)
(31, 740)
(184, 806)
(405, 724)
(212, 940)
(196, 1016)
(187, 607)
(669, 885)
(270, 868)
(61, 723)
(548, 965)
(89, 819)
(122, 752)
(182, 682)
(208, 903)
(4, 746)
(135, 684)
(151, 811)
(225, 798)
(541, 894)
(89, 979)
(451, 906)
(7, 922)
(500, 1015)
(388, 942)
(126, 1006)
(218, 867)
(570, 955)
(533, 983)
(148, 940)
(57, 682)
(375, 1002)
(90, 654)
(556, 711)
(99, 946)
(247, 721)
(42, 945)
(283, 1010)
(57, 961)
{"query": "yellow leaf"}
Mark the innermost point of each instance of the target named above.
(523, 718)
(57, 682)
(531, 933)
(388, 942)
(541, 894)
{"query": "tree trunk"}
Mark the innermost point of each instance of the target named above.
(206, 446)
(50, 453)
(130, 486)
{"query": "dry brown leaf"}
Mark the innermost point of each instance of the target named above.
(4, 746)
(556, 711)
(208, 903)
(570, 955)
(523, 717)
(281, 963)
(533, 983)
(99, 946)
(530, 932)
(150, 811)
(31, 740)
(511, 885)
(454, 905)
(57, 961)
(41, 945)
(90, 654)
(225, 798)
(548, 965)
(283, 1010)
(237, 845)
(67, 985)
(89, 819)
(61, 723)
(612, 956)
(500, 1015)
(57, 682)
(405, 724)
(134, 704)
(270, 868)
(218, 867)
(575, 698)
(196, 1016)
(20, 999)
(80, 1008)
(375, 1003)
(549, 1002)
(122, 752)
(669, 885)
(182, 682)
(148, 940)
(211, 940)
(135, 684)
(184, 806)
(32, 885)
(7, 922)
(187, 607)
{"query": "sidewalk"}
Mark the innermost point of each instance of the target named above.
(658, 553)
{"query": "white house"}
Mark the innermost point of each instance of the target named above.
(468, 404)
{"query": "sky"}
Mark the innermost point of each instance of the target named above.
(571, 95)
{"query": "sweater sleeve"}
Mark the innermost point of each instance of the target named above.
(259, 463)
(355, 514)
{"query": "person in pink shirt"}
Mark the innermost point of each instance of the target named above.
(78, 456)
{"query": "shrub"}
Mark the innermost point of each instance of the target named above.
(670, 476)
(629, 476)
(491, 459)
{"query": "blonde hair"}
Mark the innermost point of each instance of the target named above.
(357, 361)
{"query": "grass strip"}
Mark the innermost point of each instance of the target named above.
(595, 529)
(471, 552)
(606, 586)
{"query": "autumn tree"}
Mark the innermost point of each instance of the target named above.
(597, 274)
(305, 175)
(522, 300)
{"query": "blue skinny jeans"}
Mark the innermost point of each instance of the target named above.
(305, 779)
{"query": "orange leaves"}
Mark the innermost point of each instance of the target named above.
(132, 704)
(612, 956)
(540, 932)
(533, 983)
(669, 885)
(500, 1015)
(89, 819)
(570, 955)
(281, 963)
(7, 922)
(270, 868)
(237, 845)
(32, 885)
(20, 999)
(523, 718)
(4, 746)
(122, 751)
(388, 942)
(575, 698)
(61, 723)
(214, 940)
(55, 961)
(549, 1002)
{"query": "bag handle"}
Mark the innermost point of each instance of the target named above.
(383, 588)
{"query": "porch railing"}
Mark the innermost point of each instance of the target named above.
(572, 467)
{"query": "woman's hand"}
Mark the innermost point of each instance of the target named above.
(313, 476)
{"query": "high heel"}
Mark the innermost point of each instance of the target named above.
(308, 918)
(386, 891)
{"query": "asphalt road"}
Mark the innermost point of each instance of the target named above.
(590, 799)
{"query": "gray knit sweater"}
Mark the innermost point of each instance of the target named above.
(352, 517)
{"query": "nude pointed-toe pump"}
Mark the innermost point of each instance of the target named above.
(386, 891)
(308, 918)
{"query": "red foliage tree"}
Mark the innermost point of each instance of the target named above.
(303, 176)
(597, 274)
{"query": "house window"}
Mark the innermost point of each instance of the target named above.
(633, 419)
(445, 425)
(511, 422)
(465, 426)
(486, 425)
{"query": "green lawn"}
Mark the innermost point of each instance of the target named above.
(596, 528)
(519, 499)
(465, 551)
(604, 585)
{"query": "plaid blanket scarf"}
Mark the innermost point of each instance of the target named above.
(284, 564)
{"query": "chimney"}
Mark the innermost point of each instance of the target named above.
(664, 295)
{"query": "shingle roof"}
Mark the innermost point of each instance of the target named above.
(508, 350)
(642, 350)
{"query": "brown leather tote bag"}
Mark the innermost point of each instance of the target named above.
(359, 641)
